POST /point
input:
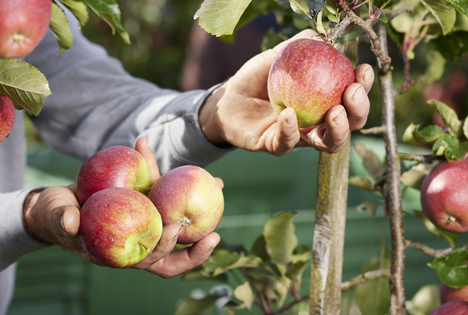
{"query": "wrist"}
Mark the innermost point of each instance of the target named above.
(208, 119)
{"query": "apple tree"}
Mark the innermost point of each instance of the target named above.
(268, 275)
(23, 24)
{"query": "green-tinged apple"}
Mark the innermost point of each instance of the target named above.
(119, 227)
(191, 196)
(7, 117)
(444, 196)
(23, 24)
(452, 308)
(116, 166)
(309, 76)
(448, 294)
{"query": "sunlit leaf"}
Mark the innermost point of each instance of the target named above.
(320, 27)
(196, 307)
(60, 28)
(300, 7)
(457, 153)
(371, 161)
(465, 128)
(443, 143)
(24, 84)
(78, 9)
(429, 134)
(449, 237)
(245, 294)
(460, 5)
(361, 182)
(369, 207)
(220, 17)
(425, 301)
(452, 269)
(414, 177)
(280, 237)
(449, 116)
(444, 13)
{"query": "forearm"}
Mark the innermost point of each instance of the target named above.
(15, 239)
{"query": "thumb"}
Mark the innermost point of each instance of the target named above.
(287, 133)
(65, 221)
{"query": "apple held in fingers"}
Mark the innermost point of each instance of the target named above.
(191, 196)
(452, 308)
(116, 166)
(7, 117)
(119, 227)
(23, 24)
(444, 196)
(309, 76)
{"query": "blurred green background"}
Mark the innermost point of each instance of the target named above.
(257, 185)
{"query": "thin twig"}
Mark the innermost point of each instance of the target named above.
(337, 30)
(422, 158)
(409, 81)
(428, 250)
(373, 130)
(365, 277)
(408, 8)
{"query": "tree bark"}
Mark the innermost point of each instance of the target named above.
(330, 221)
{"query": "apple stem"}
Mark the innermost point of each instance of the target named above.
(145, 245)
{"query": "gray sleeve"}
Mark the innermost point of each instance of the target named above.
(96, 104)
(15, 240)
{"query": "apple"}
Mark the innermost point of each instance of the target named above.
(119, 227)
(116, 166)
(7, 117)
(309, 76)
(452, 308)
(448, 294)
(23, 24)
(444, 196)
(191, 196)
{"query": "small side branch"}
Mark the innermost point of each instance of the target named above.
(429, 250)
(422, 158)
(336, 31)
(373, 130)
(408, 8)
(365, 277)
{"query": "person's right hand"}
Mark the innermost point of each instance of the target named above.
(53, 216)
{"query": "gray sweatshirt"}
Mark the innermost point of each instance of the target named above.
(95, 104)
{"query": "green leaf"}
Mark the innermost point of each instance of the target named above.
(450, 238)
(452, 46)
(452, 269)
(222, 260)
(320, 27)
(368, 206)
(299, 262)
(383, 19)
(373, 297)
(109, 11)
(220, 17)
(60, 28)
(457, 153)
(460, 5)
(370, 161)
(331, 11)
(259, 248)
(300, 7)
(429, 134)
(361, 182)
(444, 13)
(196, 307)
(449, 116)
(280, 237)
(445, 141)
(465, 128)
(78, 9)
(271, 39)
(416, 174)
(245, 294)
(435, 66)
(425, 301)
(24, 84)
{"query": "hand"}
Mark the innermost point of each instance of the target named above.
(53, 216)
(239, 112)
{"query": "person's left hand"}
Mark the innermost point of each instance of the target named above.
(239, 112)
(53, 216)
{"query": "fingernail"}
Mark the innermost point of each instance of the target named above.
(368, 74)
(341, 118)
(359, 94)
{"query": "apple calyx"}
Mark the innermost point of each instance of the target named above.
(17, 38)
(451, 219)
(185, 221)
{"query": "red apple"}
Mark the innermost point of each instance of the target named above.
(309, 76)
(448, 294)
(23, 24)
(119, 227)
(444, 196)
(116, 166)
(191, 196)
(7, 117)
(452, 308)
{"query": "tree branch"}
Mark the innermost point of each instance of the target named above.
(427, 158)
(408, 8)
(365, 277)
(373, 130)
(428, 250)
(337, 30)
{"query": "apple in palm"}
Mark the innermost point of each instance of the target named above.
(452, 308)
(191, 196)
(119, 227)
(7, 117)
(116, 166)
(444, 196)
(311, 77)
(23, 24)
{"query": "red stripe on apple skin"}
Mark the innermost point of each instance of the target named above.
(191, 196)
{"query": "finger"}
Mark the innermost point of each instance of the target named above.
(165, 246)
(185, 259)
(220, 182)
(64, 221)
(365, 76)
(286, 134)
(357, 105)
(332, 136)
(142, 146)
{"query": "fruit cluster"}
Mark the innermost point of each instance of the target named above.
(123, 214)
